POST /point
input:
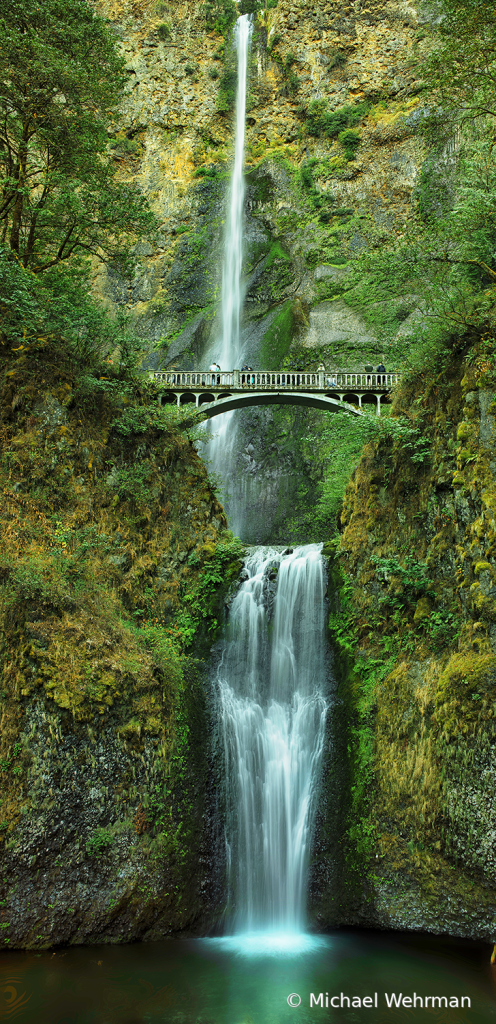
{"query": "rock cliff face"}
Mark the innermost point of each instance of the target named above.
(174, 137)
(106, 819)
(114, 559)
(312, 201)
(415, 632)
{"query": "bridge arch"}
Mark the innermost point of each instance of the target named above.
(242, 401)
(344, 390)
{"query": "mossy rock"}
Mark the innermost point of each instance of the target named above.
(423, 610)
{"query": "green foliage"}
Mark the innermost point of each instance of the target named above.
(132, 484)
(412, 575)
(362, 677)
(337, 59)
(434, 190)
(164, 31)
(220, 16)
(285, 64)
(442, 628)
(56, 308)
(350, 140)
(59, 197)
(274, 40)
(459, 70)
(444, 264)
(250, 6)
(306, 173)
(200, 597)
(98, 842)
(227, 89)
(277, 339)
(339, 445)
(206, 171)
(320, 121)
(444, 260)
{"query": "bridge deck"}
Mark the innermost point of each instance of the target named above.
(232, 388)
(235, 380)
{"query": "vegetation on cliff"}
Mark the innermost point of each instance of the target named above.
(115, 554)
(414, 566)
(60, 80)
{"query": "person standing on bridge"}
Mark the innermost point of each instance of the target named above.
(213, 368)
(381, 369)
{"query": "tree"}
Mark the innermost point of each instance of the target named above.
(220, 16)
(60, 79)
(460, 71)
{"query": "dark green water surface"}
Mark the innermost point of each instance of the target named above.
(220, 981)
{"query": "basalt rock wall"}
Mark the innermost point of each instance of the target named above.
(407, 822)
(114, 568)
(310, 205)
(174, 138)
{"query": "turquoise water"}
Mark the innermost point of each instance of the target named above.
(247, 980)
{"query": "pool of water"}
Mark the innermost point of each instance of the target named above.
(347, 976)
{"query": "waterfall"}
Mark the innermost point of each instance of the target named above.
(271, 682)
(271, 678)
(228, 350)
(231, 275)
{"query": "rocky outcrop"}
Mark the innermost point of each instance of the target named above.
(415, 634)
(311, 203)
(115, 563)
(174, 138)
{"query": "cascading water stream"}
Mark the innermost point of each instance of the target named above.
(272, 673)
(228, 352)
(232, 297)
(271, 685)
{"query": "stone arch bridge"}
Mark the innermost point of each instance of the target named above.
(215, 393)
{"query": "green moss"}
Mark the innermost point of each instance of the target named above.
(277, 339)
(422, 610)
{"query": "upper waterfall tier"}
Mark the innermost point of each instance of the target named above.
(231, 277)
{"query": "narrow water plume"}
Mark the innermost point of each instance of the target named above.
(228, 351)
(271, 682)
(233, 258)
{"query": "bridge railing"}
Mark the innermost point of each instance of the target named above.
(259, 379)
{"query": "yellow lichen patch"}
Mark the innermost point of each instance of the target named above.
(482, 567)
(422, 610)
(407, 769)
(465, 692)
(81, 665)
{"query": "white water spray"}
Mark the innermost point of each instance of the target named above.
(232, 297)
(271, 683)
(221, 446)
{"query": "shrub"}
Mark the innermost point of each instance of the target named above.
(350, 140)
(220, 16)
(98, 842)
(227, 90)
(321, 121)
(164, 31)
(337, 59)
